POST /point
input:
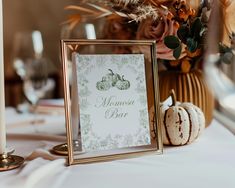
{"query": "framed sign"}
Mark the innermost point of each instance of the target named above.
(111, 99)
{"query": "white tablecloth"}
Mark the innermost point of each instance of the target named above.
(208, 162)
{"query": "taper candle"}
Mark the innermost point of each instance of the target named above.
(2, 90)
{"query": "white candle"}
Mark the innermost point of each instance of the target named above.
(2, 90)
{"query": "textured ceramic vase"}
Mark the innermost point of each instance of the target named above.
(189, 87)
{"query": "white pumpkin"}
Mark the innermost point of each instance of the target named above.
(182, 123)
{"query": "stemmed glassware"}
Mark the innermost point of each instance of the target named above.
(31, 66)
(220, 75)
(88, 30)
(35, 80)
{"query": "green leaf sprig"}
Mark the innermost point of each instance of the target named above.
(189, 34)
(226, 54)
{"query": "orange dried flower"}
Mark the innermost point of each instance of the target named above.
(183, 14)
(174, 63)
(194, 54)
(185, 66)
(194, 4)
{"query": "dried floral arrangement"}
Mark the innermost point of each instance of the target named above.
(178, 26)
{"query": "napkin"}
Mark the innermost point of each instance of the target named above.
(35, 173)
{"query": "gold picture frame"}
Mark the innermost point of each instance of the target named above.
(93, 47)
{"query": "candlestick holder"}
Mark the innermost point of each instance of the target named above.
(10, 162)
(62, 149)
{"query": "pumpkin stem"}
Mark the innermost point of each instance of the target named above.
(111, 71)
(173, 96)
(123, 78)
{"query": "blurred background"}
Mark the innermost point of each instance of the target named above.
(26, 16)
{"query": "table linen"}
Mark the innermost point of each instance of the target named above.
(208, 162)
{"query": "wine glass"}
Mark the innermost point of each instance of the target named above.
(35, 81)
(91, 29)
(27, 45)
(220, 75)
(32, 67)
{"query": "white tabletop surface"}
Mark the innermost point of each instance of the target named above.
(208, 162)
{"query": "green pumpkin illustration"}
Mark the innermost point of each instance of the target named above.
(112, 78)
(103, 85)
(123, 84)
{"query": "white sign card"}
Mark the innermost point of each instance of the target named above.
(112, 101)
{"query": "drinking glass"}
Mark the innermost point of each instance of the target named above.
(32, 67)
(35, 81)
(91, 29)
(220, 75)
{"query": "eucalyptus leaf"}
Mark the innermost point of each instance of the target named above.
(203, 30)
(183, 33)
(196, 28)
(171, 42)
(228, 57)
(223, 48)
(192, 44)
(177, 52)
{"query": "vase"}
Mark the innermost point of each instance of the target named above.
(189, 87)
